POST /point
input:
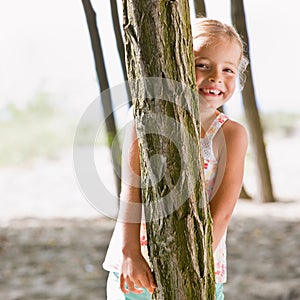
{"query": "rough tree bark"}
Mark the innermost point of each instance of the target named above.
(158, 44)
(251, 111)
(104, 86)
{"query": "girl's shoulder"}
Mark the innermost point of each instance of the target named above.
(232, 138)
(234, 127)
(235, 133)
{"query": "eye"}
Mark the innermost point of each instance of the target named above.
(227, 70)
(231, 70)
(201, 66)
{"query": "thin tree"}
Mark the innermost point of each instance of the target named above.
(244, 194)
(119, 41)
(159, 44)
(118, 34)
(251, 110)
(103, 86)
(200, 9)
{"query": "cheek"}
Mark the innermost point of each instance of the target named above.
(230, 89)
(232, 84)
(198, 76)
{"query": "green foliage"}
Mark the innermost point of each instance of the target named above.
(38, 130)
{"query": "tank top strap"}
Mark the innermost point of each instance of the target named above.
(216, 125)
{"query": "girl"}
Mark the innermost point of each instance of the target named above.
(219, 60)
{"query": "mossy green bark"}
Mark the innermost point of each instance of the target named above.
(179, 226)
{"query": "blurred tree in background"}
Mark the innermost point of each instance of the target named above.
(104, 86)
(251, 111)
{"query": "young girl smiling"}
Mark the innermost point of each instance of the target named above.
(219, 61)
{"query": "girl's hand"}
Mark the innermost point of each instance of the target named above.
(136, 274)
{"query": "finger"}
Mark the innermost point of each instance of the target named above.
(152, 281)
(122, 285)
(147, 282)
(132, 287)
(138, 284)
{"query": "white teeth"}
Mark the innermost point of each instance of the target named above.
(215, 91)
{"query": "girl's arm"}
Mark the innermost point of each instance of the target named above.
(135, 270)
(229, 178)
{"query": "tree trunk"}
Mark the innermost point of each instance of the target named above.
(119, 41)
(200, 9)
(251, 111)
(118, 35)
(104, 86)
(244, 194)
(179, 226)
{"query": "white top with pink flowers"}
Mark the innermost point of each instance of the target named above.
(113, 259)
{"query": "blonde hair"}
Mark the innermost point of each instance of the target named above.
(205, 31)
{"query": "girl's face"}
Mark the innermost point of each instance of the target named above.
(216, 71)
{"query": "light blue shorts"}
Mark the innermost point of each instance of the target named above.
(219, 291)
(114, 292)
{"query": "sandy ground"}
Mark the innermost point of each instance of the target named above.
(53, 241)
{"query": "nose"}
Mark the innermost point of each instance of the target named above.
(215, 77)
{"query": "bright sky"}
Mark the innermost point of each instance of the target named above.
(45, 47)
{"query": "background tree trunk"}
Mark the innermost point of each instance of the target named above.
(159, 44)
(119, 41)
(118, 35)
(244, 194)
(104, 86)
(200, 9)
(251, 111)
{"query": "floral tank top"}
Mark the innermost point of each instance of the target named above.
(113, 257)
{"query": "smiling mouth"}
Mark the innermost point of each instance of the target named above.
(215, 92)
